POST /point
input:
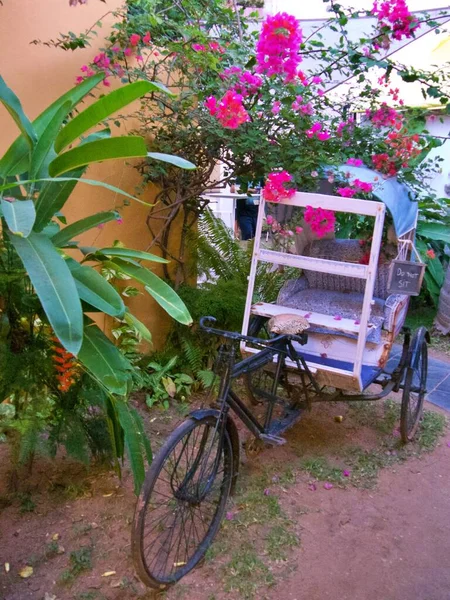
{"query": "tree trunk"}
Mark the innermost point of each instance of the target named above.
(442, 322)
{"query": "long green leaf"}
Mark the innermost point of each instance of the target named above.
(129, 253)
(54, 286)
(177, 161)
(101, 110)
(20, 215)
(132, 444)
(15, 159)
(52, 197)
(113, 148)
(94, 289)
(43, 150)
(434, 231)
(141, 431)
(138, 325)
(164, 295)
(12, 104)
(69, 232)
(104, 361)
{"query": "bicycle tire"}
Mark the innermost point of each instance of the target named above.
(147, 569)
(416, 377)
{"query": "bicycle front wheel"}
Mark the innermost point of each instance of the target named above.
(182, 502)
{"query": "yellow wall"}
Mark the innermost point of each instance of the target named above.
(39, 75)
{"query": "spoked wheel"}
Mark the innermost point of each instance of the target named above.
(414, 387)
(182, 502)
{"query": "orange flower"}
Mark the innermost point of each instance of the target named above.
(65, 366)
(430, 253)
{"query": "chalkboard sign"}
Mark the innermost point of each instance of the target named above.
(406, 277)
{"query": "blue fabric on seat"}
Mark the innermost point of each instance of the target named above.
(368, 373)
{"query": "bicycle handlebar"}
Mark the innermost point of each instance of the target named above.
(234, 335)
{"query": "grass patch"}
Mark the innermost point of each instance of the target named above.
(319, 468)
(431, 430)
(80, 560)
(27, 503)
(278, 540)
(245, 573)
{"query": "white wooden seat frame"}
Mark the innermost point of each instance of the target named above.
(340, 378)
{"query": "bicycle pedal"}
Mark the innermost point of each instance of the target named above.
(273, 440)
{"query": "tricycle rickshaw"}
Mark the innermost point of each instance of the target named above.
(328, 337)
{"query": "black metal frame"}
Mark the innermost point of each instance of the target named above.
(276, 350)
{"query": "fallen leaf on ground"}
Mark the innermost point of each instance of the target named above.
(338, 418)
(48, 596)
(55, 537)
(108, 495)
(108, 573)
(26, 572)
(7, 567)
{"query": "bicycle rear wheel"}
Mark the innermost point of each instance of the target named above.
(182, 502)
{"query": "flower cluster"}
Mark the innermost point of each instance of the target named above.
(277, 50)
(246, 83)
(275, 189)
(355, 162)
(65, 366)
(230, 111)
(402, 147)
(395, 15)
(102, 62)
(316, 131)
(346, 127)
(355, 187)
(385, 116)
(320, 220)
(212, 46)
(277, 228)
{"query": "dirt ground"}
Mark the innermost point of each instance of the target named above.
(341, 511)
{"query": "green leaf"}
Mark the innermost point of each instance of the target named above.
(54, 286)
(434, 231)
(132, 444)
(19, 215)
(94, 289)
(12, 104)
(166, 297)
(138, 325)
(177, 161)
(129, 253)
(102, 109)
(104, 361)
(144, 439)
(15, 159)
(44, 147)
(94, 152)
(52, 197)
(71, 231)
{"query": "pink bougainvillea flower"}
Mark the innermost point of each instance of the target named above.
(396, 432)
(324, 355)
(139, 58)
(448, 444)
(323, 135)
(316, 79)
(128, 51)
(430, 253)
(275, 189)
(346, 192)
(357, 322)
(119, 220)
(346, 473)
(146, 39)
(362, 186)
(278, 47)
(307, 316)
(321, 92)
(314, 174)
(321, 221)
(307, 109)
(135, 38)
(298, 229)
(231, 112)
(198, 47)
(337, 317)
(84, 68)
(312, 487)
(355, 162)
(214, 46)
(267, 492)
(395, 15)
(106, 82)
(270, 220)
(327, 485)
(276, 107)
(229, 516)
(211, 105)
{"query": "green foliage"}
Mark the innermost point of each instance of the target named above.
(43, 292)
(163, 383)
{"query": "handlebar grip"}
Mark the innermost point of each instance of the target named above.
(203, 320)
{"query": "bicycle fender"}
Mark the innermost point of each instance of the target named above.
(232, 430)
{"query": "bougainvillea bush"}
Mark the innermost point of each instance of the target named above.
(248, 102)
